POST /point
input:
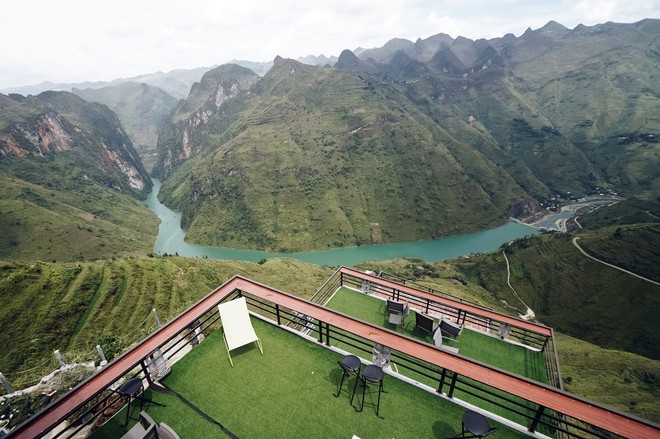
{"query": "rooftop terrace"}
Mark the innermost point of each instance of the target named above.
(288, 391)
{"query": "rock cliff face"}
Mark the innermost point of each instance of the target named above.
(219, 93)
(60, 122)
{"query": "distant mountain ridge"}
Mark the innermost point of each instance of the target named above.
(495, 128)
(176, 82)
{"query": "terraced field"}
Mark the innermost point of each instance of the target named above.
(73, 307)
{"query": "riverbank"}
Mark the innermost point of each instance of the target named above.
(171, 240)
(558, 221)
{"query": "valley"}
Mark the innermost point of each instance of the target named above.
(423, 160)
(171, 241)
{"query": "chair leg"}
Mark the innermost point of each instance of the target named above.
(380, 389)
(343, 375)
(353, 395)
(364, 387)
(128, 410)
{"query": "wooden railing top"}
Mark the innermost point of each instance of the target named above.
(537, 393)
(472, 309)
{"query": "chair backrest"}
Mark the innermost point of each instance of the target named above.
(152, 433)
(236, 323)
(146, 420)
(423, 321)
(166, 432)
(394, 306)
(145, 428)
(450, 328)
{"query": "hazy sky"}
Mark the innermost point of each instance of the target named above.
(78, 40)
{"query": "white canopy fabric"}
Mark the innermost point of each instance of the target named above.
(236, 325)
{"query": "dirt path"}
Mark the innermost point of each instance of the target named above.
(610, 265)
(529, 314)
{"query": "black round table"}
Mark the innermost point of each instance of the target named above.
(349, 364)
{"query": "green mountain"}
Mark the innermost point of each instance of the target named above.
(632, 210)
(400, 144)
(71, 181)
(576, 108)
(141, 108)
(311, 157)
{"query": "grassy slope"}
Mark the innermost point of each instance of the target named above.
(80, 221)
(74, 306)
(619, 379)
(575, 294)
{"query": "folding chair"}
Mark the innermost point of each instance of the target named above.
(237, 326)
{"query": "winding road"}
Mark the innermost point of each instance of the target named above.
(608, 264)
(529, 314)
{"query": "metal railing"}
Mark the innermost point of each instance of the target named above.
(531, 405)
(430, 301)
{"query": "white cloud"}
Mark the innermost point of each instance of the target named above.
(77, 40)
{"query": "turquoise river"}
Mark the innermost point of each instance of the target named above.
(171, 241)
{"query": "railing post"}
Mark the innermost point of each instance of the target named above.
(145, 371)
(153, 310)
(452, 385)
(442, 380)
(428, 303)
(327, 334)
(6, 384)
(277, 312)
(59, 357)
(320, 339)
(537, 418)
(99, 349)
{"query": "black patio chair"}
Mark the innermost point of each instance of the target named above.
(398, 312)
(475, 425)
(426, 323)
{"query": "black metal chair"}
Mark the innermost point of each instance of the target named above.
(132, 389)
(426, 323)
(475, 425)
(371, 374)
(398, 312)
(349, 364)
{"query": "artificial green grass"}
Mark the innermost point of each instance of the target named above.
(288, 392)
(472, 344)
